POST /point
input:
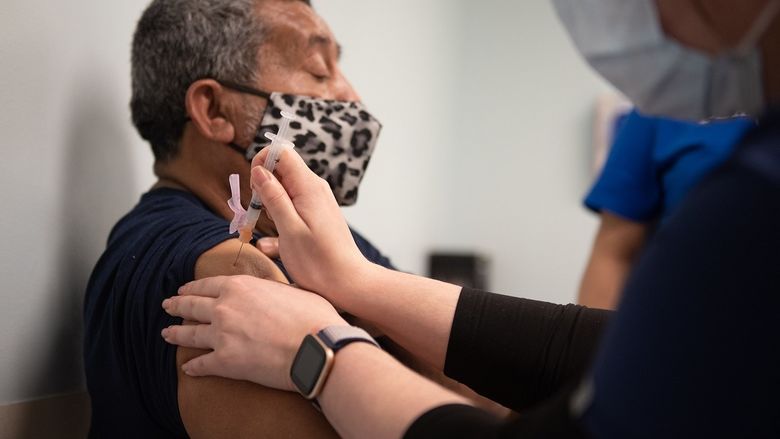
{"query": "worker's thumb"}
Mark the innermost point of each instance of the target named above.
(269, 246)
(275, 200)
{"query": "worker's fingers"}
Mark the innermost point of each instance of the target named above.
(195, 308)
(209, 287)
(295, 175)
(291, 170)
(202, 365)
(269, 247)
(276, 201)
(190, 336)
(259, 158)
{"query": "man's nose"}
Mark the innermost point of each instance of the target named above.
(342, 90)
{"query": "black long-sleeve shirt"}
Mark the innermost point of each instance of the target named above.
(518, 352)
(694, 350)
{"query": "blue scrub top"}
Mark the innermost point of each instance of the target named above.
(654, 162)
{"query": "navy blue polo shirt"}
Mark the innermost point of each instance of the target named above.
(130, 369)
(654, 162)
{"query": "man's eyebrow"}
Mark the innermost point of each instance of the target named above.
(322, 40)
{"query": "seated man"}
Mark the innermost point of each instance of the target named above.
(196, 65)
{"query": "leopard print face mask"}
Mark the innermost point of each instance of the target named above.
(335, 138)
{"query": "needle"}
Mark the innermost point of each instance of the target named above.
(239, 253)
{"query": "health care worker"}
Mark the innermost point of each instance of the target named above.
(653, 163)
(694, 350)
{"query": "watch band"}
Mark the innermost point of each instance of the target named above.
(336, 337)
(315, 357)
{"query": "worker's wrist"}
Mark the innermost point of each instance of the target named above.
(353, 357)
(360, 284)
(330, 320)
(367, 376)
(313, 327)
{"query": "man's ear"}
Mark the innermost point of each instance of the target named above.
(205, 103)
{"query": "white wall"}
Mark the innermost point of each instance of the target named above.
(487, 119)
(71, 166)
(522, 155)
(487, 143)
(400, 56)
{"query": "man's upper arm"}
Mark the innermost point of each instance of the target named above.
(220, 407)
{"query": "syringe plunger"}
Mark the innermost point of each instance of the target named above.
(278, 142)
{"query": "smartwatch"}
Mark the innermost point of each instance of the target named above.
(315, 356)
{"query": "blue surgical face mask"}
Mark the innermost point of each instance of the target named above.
(623, 41)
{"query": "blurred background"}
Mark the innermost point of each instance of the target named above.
(488, 117)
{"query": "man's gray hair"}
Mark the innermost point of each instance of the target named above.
(178, 42)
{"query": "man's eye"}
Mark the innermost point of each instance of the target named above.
(317, 67)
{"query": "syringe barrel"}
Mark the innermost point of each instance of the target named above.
(255, 202)
(252, 215)
(279, 142)
(276, 148)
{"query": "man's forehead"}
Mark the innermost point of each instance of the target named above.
(293, 23)
(325, 40)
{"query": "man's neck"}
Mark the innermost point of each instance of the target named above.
(208, 183)
(188, 173)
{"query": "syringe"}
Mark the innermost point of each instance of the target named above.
(278, 143)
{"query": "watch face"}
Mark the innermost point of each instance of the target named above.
(308, 364)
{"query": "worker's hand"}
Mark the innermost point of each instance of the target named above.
(253, 326)
(315, 243)
(269, 246)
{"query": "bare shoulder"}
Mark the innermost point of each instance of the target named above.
(221, 260)
(214, 407)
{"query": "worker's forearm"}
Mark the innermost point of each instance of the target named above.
(617, 244)
(370, 394)
(602, 282)
(414, 311)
